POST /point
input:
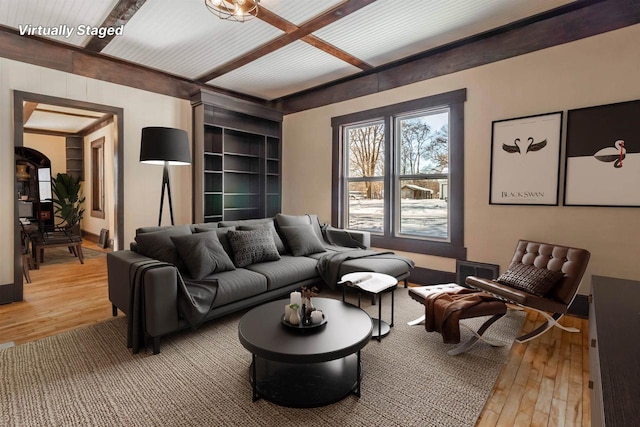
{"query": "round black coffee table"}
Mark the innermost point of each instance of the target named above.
(305, 368)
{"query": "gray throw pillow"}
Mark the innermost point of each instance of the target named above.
(276, 237)
(302, 239)
(252, 246)
(158, 245)
(528, 278)
(203, 254)
(221, 232)
(311, 219)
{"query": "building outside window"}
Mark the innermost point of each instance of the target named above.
(398, 173)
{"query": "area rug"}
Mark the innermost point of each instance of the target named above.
(88, 377)
(62, 255)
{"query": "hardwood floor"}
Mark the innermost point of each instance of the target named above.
(543, 383)
(61, 297)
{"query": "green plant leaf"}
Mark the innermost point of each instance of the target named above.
(67, 199)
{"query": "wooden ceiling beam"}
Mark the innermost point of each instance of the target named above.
(63, 57)
(338, 53)
(50, 132)
(295, 33)
(29, 108)
(106, 120)
(576, 21)
(122, 12)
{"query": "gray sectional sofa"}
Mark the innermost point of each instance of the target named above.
(180, 276)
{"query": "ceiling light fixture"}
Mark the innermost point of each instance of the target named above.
(237, 10)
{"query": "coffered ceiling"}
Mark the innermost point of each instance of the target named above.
(292, 45)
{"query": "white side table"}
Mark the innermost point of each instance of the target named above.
(373, 284)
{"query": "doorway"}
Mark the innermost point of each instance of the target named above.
(25, 104)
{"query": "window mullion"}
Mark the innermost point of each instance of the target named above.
(389, 177)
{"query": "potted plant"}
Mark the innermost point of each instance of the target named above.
(67, 200)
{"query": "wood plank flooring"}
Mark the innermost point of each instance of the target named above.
(543, 383)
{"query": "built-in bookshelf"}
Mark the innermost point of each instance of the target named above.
(236, 159)
(75, 156)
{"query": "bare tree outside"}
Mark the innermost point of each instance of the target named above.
(366, 154)
(422, 147)
(424, 151)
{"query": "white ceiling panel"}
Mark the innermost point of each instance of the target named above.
(53, 122)
(69, 111)
(184, 38)
(48, 117)
(51, 14)
(297, 11)
(293, 68)
(389, 30)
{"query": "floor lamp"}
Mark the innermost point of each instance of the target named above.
(164, 146)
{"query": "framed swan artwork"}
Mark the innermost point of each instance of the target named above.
(525, 160)
(603, 156)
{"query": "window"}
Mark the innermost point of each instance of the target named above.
(398, 173)
(44, 184)
(97, 178)
(364, 147)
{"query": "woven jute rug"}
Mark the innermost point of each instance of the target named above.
(87, 377)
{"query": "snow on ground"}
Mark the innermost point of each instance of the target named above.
(421, 217)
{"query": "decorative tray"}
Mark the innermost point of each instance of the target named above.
(301, 327)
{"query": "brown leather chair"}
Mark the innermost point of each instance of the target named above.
(567, 263)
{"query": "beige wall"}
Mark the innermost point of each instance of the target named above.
(54, 147)
(594, 71)
(141, 108)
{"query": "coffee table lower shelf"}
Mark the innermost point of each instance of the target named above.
(305, 385)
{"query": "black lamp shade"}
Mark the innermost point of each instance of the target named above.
(161, 145)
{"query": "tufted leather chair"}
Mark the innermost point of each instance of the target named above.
(570, 261)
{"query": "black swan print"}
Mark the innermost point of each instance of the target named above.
(532, 146)
(615, 154)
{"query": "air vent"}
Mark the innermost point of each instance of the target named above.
(478, 269)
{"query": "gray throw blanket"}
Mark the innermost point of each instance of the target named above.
(329, 265)
(195, 299)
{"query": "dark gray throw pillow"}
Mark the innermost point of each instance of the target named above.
(203, 254)
(276, 237)
(252, 246)
(302, 239)
(528, 278)
(221, 232)
(283, 220)
(158, 245)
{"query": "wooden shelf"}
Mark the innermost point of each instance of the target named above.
(237, 155)
(75, 156)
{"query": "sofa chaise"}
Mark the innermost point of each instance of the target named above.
(175, 277)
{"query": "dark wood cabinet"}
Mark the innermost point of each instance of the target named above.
(236, 159)
(614, 351)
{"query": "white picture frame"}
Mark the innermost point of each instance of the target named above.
(525, 160)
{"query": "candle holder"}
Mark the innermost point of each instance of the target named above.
(315, 320)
